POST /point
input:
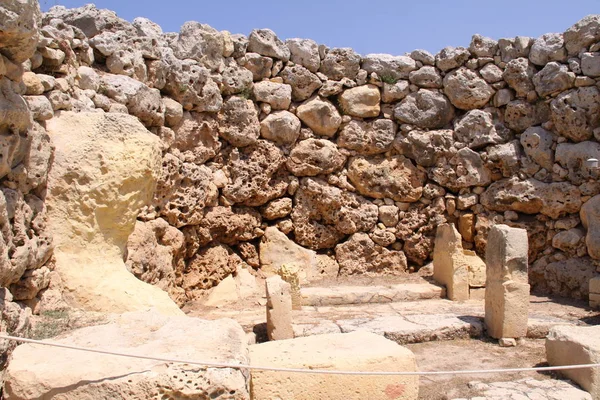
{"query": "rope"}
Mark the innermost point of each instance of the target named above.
(302, 370)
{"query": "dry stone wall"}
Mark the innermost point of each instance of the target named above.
(358, 158)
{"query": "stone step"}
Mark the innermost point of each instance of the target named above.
(548, 389)
(342, 295)
(401, 329)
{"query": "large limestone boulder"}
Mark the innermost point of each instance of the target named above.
(252, 172)
(426, 109)
(341, 351)
(583, 33)
(360, 255)
(183, 190)
(571, 345)
(552, 79)
(590, 217)
(340, 63)
(573, 157)
(323, 214)
(389, 67)
(362, 137)
(518, 74)
(313, 157)
(304, 52)
(19, 29)
(426, 147)
(238, 122)
(37, 372)
(320, 115)
(361, 101)
(154, 253)
(576, 113)
(466, 90)
(303, 82)
(394, 177)
(477, 129)
(281, 127)
(200, 42)
(104, 171)
(537, 144)
(276, 249)
(548, 47)
(532, 196)
(266, 43)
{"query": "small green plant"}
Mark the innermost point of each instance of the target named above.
(246, 93)
(183, 88)
(51, 323)
(389, 79)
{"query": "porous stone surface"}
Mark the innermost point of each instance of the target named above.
(453, 267)
(334, 351)
(506, 287)
(252, 132)
(567, 345)
(104, 171)
(279, 308)
(37, 371)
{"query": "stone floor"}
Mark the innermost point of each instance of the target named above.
(414, 314)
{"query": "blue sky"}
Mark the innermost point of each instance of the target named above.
(368, 26)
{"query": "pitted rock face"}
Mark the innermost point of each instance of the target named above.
(266, 43)
(466, 90)
(576, 113)
(340, 63)
(363, 137)
(330, 147)
(238, 122)
(313, 157)
(303, 82)
(323, 214)
(18, 29)
(183, 190)
(252, 169)
(389, 67)
(425, 109)
(395, 177)
(320, 115)
(361, 255)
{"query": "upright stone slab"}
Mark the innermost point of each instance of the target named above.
(279, 309)
(507, 288)
(447, 268)
(356, 351)
(594, 292)
(570, 345)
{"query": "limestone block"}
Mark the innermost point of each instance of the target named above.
(447, 266)
(277, 249)
(594, 296)
(104, 171)
(476, 268)
(506, 256)
(38, 372)
(506, 309)
(567, 345)
(279, 309)
(341, 351)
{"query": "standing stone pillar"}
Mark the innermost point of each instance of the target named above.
(449, 267)
(279, 309)
(507, 287)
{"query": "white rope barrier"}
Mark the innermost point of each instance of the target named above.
(301, 370)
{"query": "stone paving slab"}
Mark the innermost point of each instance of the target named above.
(527, 389)
(344, 295)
